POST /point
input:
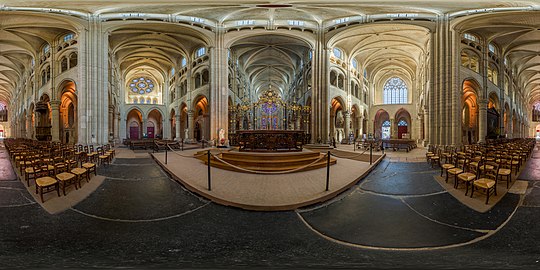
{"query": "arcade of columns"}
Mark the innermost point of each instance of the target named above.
(435, 104)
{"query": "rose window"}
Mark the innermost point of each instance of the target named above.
(141, 85)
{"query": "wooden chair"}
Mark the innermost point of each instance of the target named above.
(90, 167)
(446, 166)
(488, 183)
(456, 170)
(64, 177)
(467, 177)
(103, 158)
(45, 183)
(505, 170)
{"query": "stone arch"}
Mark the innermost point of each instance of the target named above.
(172, 120)
(184, 121)
(380, 121)
(68, 112)
(493, 116)
(201, 128)
(134, 123)
(337, 120)
(154, 124)
(469, 111)
(403, 124)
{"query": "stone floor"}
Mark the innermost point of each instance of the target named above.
(398, 217)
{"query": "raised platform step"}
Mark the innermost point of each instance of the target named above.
(276, 162)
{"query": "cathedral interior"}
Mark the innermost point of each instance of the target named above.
(393, 96)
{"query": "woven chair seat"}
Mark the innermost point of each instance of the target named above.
(448, 166)
(505, 171)
(455, 171)
(484, 183)
(65, 176)
(45, 181)
(467, 176)
(78, 171)
(88, 165)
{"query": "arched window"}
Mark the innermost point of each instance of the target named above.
(337, 53)
(72, 60)
(46, 48)
(492, 49)
(395, 91)
(63, 64)
(201, 51)
(465, 60)
(183, 62)
(402, 123)
(470, 37)
(354, 64)
(68, 37)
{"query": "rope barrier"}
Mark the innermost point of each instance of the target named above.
(266, 172)
(351, 157)
(176, 152)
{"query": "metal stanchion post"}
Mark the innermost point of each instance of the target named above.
(209, 181)
(370, 154)
(166, 151)
(327, 170)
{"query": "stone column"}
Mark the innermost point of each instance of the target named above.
(191, 126)
(110, 130)
(482, 120)
(92, 91)
(360, 125)
(219, 91)
(426, 123)
(55, 120)
(347, 124)
(177, 126)
(117, 126)
(145, 126)
(393, 129)
(320, 112)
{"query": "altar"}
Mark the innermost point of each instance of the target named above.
(270, 140)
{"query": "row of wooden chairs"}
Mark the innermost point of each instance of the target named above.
(54, 166)
(483, 168)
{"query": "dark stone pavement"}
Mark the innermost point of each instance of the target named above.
(119, 228)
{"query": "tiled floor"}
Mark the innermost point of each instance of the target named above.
(140, 218)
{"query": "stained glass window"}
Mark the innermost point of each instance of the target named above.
(68, 37)
(337, 53)
(201, 51)
(402, 123)
(141, 85)
(269, 108)
(395, 91)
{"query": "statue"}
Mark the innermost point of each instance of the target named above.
(221, 140)
(186, 132)
(339, 119)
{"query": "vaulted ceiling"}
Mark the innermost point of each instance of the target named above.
(270, 60)
(517, 35)
(20, 42)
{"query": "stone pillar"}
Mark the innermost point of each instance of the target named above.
(320, 112)
(116, 126)
(92, 91)
(347, 124)
(360, 125)
(219, 88)
(177, 126)
(110, 130)
(191, 127)
(145, 126)
(55, 120)
(482, 120)
(426, 123)
(393, 129)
